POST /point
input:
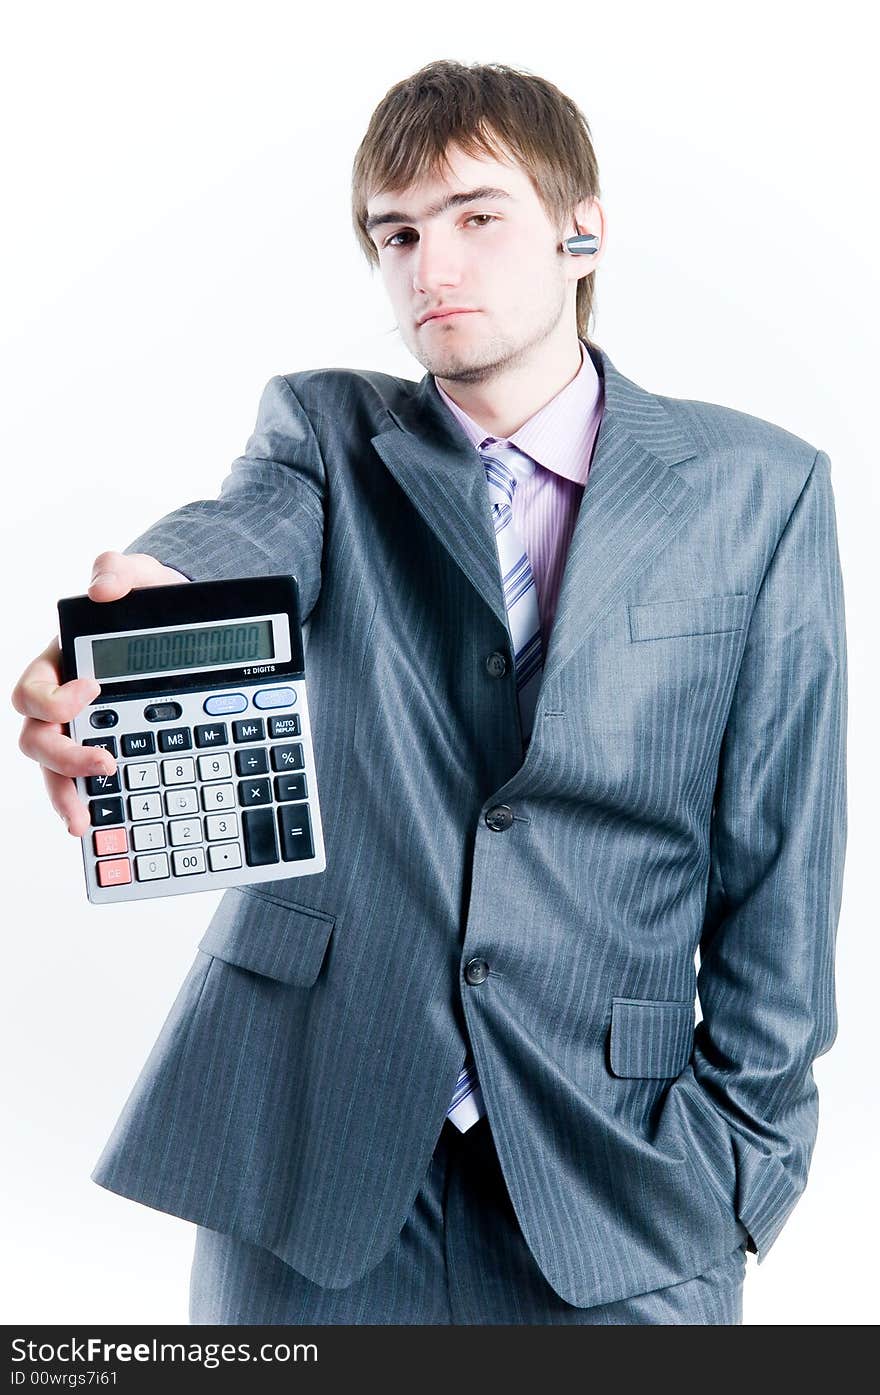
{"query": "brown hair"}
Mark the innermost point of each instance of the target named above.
(478, 107)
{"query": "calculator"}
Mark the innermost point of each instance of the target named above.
(203, 704)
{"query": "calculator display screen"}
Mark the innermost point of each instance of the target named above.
(170, 651)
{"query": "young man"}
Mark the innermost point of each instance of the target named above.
(576, 654)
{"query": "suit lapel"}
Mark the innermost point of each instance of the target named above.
(434, 462)
(633, 505)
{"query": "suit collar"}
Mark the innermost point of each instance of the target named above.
(633, 504)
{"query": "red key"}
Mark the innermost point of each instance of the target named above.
(110, 840)
(114, 873)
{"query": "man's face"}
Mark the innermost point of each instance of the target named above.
(495, 255)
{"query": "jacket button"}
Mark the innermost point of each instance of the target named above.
(496, 664)
(476, 971)
(500, 818)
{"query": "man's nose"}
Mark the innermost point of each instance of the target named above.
(436, 263)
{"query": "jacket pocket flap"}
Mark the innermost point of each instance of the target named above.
(650, 1040)
(260, 932)
(700, 615)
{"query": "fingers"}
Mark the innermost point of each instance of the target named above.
(46, 705)
(45, 742)
(66, 802)
(40, 694)
(115, 573)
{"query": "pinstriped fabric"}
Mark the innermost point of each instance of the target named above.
(650, 1039)
(460, 1259)
(504, 465)
(683, 789)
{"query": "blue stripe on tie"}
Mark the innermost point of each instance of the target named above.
(529, 657)
(498, 474)
(464, 1087)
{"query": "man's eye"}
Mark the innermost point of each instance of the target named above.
(407, 232)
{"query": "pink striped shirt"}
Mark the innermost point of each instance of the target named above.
(559, 438)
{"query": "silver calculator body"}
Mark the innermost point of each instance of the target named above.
(203, 704)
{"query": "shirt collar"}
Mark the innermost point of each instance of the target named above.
(560, 436)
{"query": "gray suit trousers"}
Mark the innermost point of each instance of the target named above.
(460, 1258)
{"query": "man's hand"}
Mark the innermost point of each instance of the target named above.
(47, 704)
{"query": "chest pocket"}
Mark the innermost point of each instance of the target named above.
(698, 615)
(650, 1039)
(260, 932)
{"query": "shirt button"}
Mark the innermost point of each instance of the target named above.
(496, 664)
(500, 818)
(476, 971)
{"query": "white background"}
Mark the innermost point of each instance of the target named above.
(177, 229)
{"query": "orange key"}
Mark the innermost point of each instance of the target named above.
(114, 873)
(110, 840)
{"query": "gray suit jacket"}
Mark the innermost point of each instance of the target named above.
(684, 788)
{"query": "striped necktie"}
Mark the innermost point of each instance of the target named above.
(505, 466)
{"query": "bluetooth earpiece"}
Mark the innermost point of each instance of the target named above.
(585, 244)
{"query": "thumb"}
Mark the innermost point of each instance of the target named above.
(114, 574)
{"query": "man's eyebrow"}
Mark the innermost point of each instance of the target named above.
(433, 209)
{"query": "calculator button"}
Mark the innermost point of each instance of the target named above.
(260, 846)
(218, 797)
(144, 806)
(139, 743)
(224, 855)
(221, 826)
(252, 762)
(105, 718)
(284, 726)
(287, 757)
(142, 777)
(181, 802)
(212, 735)
(108, 742)
(185, 831)
(103, 784)
(250, 730)
(188, 862)
(175, 739)
(162, 712)
(290, 787)
(274, 697)
(110, 840)
(178, 772)
(104, 811)
(146, 836)
(215, 767)
(151, 869)
(225, 702)
(252, 792)
(295, 827)
(114, 873)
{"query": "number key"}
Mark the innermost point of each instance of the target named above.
(218, 797)
(215, 767)
(142, 777)
(179, 772)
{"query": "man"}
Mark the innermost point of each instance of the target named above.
(577, 666)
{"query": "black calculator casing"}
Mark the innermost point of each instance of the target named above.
(216, 783)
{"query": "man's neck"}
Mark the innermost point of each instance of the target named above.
(501, 408)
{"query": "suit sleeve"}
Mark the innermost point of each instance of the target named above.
(269, 516)
(766, 977)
